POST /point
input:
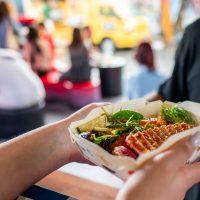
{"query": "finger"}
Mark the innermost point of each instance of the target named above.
(176, 156)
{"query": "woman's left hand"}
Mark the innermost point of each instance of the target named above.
(75, 154)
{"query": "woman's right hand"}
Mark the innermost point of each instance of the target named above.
(166, 176)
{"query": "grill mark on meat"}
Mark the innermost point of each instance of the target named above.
(155, 137)
(150, 139)
(143, 140)
(134, 144)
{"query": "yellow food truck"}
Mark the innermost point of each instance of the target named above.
(111, 21)
(113, 24)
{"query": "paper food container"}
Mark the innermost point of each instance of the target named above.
(123, 166)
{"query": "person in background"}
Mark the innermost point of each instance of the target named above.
(8, 31)
(43, 34)
(36, 51)
(146, 79)
(86, 34)
(32, 156)
(80, 68)
(184, 82)
(93, 51)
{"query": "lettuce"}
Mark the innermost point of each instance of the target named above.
(127, 115)
(177, 114)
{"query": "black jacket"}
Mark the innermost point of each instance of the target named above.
(184, 83)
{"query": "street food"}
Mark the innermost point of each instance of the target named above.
(130, 133)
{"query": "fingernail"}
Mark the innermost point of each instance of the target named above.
(196, 139)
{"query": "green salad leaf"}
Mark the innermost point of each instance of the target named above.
(127, 115)
(115, 125)
(98, 140)
(105, 141)
(177, 114)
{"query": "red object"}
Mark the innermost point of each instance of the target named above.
(130, 172)
(25, 20)
(74, 94)
(124, 151)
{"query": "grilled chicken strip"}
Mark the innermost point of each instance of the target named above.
(152, 138)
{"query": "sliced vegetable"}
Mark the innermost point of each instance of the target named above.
(127, 115)
(97, 122)
(126, 127)
(177, 114)
(122, 125)
(101, 131)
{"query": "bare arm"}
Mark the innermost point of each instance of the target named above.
(28, 158)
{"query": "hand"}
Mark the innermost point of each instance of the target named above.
(75, 154)
(164, 177)
(35, 154)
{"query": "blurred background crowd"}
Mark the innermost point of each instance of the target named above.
(59, 55)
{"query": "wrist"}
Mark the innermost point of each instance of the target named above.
(74, 154)
(69, 150)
